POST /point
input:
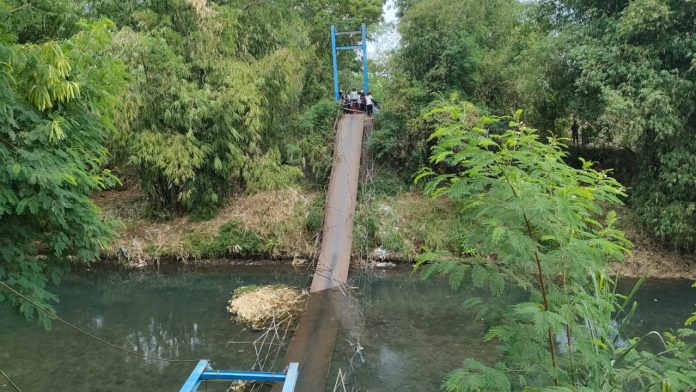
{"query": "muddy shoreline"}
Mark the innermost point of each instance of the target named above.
(634, 267)
(280, 220)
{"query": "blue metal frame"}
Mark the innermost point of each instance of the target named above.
(364, 50)
(362, 47)
(335, 61)
(203, 372)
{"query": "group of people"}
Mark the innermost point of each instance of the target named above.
(354, 101)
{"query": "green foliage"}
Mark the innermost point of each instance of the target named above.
(41, 20)
(56, 112)
(311, 143)
(405, 225)
(478, 378)
(232, 239)
(392, 239)
(216, 91)
(632, 85)
(623, 163)
(462, 46)
(541, 228)
(691, 319)
(220, 89)
(267, 172)
(365, 227)
(398, 138)
(624, 70)
(315, 216)
(387, 183)
(191, 143)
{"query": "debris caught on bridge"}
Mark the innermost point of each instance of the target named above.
(262, 306)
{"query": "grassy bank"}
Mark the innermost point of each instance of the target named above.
(271, 224)
(286, 224)
(283, 224)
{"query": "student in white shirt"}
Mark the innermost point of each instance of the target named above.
(354, 97)
(369, 102)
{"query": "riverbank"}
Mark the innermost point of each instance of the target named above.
(649, 257)
(285, 226)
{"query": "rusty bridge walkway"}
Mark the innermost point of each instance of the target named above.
(313, 343)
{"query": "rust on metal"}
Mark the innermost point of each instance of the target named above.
(327, 308)
(337, 239)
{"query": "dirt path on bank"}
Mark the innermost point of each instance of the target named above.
(652, 259)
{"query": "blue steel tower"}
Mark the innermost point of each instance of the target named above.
(362, 47)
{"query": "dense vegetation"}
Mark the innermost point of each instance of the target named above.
(190, 100)
(57, 103)
(196, 102)
(624, 70)
(540, 226)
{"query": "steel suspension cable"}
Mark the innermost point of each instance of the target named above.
(78, 329)
(10, 381)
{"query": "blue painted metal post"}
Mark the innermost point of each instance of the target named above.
(335, 61)
(194, 380)
(364, 53)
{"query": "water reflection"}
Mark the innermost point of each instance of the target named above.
(169, 315)
(418, 331)
(415, 332)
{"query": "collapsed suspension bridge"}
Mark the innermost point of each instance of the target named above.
(311, 348)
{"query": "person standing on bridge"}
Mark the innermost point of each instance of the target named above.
(354, 97)
(369, 102)
(345, 101)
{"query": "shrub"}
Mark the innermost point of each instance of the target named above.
(311, 145)
(541, 227)
(365, 227)
(231, 239)
(315, 216)
(268, 173)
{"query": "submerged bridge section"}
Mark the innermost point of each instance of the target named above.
(313, 343)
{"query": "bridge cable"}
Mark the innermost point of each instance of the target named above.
(78, 329)
(10, 381)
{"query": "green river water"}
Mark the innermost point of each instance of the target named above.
(414, 331)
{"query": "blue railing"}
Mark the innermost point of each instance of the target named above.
(203, 372)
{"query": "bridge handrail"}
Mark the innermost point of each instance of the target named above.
(203, 372)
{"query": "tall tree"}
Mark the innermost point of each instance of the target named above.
(635, 86)
(215, 86)
(539, 227)
(468, 47)
(57, 110)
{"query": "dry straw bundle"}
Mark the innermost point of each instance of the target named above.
(260, 307)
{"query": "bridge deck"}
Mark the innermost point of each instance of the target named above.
(337, 239)
(313, 343)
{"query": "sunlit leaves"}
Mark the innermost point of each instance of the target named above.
(54, 119)
(539, 225)
(223, 89)
(476, 377)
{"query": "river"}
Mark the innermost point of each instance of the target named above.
(415, 331)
